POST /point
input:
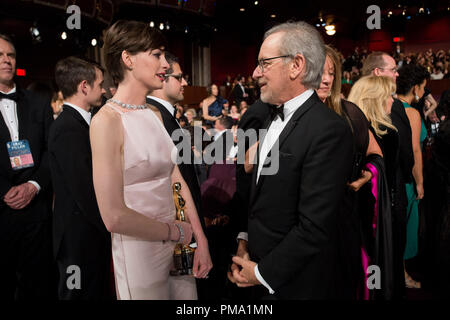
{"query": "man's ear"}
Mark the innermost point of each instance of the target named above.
(83, 87)
(376, 72)
(297, 66)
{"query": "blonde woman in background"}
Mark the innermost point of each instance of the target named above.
(373, 95)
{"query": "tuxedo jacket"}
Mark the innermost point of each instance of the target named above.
(34, 116)
(71, 168)
(294, 213)
(237, 94)
(187, 169)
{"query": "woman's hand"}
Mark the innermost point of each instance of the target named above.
(202, 260)
(420, 191)
(357, 184)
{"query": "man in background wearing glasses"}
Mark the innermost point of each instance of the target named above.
(293, 238)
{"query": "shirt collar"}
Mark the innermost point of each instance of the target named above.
(85, 114)
(10, 91)
(292, 105)
(165, 103)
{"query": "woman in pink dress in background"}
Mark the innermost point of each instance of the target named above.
(133, 173)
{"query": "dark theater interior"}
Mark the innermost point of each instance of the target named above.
(395, 203)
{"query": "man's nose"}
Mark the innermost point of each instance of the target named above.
(256, 73)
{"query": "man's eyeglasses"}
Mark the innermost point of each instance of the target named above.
(262, 62)
(393, 70)
(179, 77)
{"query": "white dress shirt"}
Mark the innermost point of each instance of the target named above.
(275, 129)
(85, 114)
(166, 105)
(9, 113)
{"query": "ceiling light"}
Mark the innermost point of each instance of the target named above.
(94, 42)
(35, 34)
(167, 26)
(242, 9)
(331, 32)
(152, 24)
(186, 30)
(330, 27)
(64, 35)
(161, 26)
(256, 3)
(273, 16)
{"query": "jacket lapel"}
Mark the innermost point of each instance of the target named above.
(22, 114)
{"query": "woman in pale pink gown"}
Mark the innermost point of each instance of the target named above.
(133, 173)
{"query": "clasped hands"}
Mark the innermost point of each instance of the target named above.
(18, 197)
(242, 269)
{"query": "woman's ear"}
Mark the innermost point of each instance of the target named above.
(127, 60)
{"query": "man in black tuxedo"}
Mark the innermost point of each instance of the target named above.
(164, 99)
(238, 94)
(82, 244)
(382, 64)
(25, 187)
(303, 164)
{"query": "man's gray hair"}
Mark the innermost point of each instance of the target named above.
(302, 38)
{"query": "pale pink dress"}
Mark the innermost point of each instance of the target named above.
(141, 267)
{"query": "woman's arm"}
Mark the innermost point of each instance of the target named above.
(106, 134)
(202, 258)
(414, 120)
(373, 148)
(206, 115)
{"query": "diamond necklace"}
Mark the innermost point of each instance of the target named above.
(128, 106)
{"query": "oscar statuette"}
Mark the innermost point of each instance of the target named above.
(183, 256)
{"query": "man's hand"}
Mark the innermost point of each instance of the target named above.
(18, 197)
(235, 275)
(247, 270)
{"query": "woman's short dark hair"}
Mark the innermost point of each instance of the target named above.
(132, 36)
(409, 76)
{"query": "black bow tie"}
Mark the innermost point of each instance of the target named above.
(277, 111)
(10, 96)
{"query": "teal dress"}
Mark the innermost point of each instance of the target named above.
(412, 226)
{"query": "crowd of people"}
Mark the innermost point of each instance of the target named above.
(332, 186)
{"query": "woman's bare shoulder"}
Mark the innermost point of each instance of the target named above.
(105, 115)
